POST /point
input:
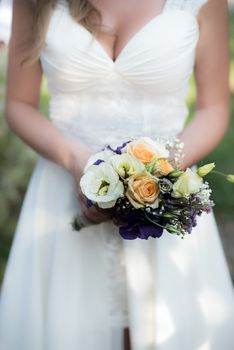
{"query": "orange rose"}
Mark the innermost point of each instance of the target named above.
(142, 152)
(163, 167)
(142, 190)
(146, 150)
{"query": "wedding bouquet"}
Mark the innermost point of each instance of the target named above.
(144, 189)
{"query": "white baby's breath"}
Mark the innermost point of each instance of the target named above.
(205, 193)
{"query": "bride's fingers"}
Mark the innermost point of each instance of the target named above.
(106, 213)
(96, 217)
(93, 213)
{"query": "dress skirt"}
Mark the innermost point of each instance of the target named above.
(72, 290)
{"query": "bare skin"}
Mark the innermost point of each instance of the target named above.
(210, 120)
(2, 45)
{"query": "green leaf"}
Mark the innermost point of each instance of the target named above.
(151, 165)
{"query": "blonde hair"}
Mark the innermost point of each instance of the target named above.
(81, 10)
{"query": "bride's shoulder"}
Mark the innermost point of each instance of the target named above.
(204, 10)
(213, 11)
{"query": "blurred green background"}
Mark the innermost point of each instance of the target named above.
(17, 161)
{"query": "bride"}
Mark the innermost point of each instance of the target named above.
(115, 69)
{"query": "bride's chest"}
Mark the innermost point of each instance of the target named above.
(159, 56)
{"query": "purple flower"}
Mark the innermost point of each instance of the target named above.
(98, 161)
(142, 231)
(133, 224)
(118, 150)
(89, 203)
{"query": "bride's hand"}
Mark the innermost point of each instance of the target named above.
(93, 213)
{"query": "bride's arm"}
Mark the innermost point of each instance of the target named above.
(24, 118)
(21, 109)
(211, 118)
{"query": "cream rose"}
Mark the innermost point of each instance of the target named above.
(188, 183)
(126, 166)
(145, 150)
(143, 190)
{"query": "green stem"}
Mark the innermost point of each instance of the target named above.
(218, 173)
(155, 223)
(164, 227)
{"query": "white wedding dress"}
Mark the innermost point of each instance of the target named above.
(67, 290)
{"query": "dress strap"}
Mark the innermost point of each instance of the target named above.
(192, 6)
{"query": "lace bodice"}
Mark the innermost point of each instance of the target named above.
(94, 98)
(192, 6)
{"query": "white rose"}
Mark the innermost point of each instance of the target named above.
(103, 155)
(101, 184)
(188, 183)
(126, 166)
